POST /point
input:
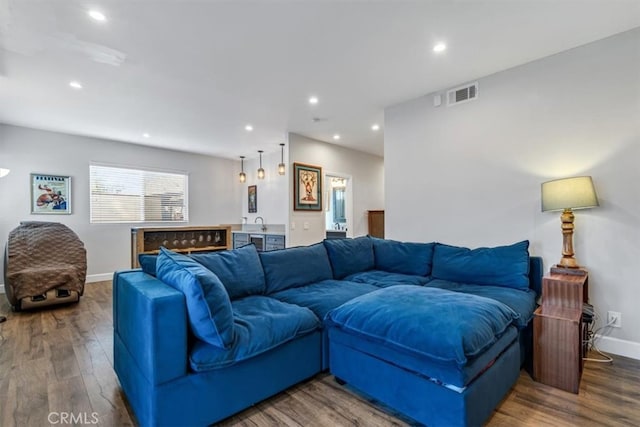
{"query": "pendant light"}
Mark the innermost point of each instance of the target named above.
(281, 166)
(260, 170)
(243, 176)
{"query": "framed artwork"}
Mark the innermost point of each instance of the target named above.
(253, 198)
(307, 187)
(50, 194)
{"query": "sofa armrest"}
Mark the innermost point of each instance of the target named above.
(150, 319)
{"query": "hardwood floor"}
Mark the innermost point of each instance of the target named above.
(60, 360)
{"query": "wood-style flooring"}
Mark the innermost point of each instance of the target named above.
(60, 360)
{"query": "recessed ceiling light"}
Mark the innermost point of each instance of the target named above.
(439, 47)
(248, 128)
(313, 100)
(76, 85)
(97, 16)
(146, 135)
(375, 127)
(336, 137)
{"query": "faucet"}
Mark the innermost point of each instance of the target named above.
(261, 222)
(336, 225)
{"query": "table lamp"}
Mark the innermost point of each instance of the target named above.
(565, 195)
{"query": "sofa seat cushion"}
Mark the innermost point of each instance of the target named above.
(438, 327)
(403, 257)
(384, 279)
(294, 267)
(261, 324)
(324, 296)
(506, 266)
(521, 301)
(239, 270)
(349, 256)
(208, 306)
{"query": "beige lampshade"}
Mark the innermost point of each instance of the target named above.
(568, 193)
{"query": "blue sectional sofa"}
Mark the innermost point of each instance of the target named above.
(199, 338)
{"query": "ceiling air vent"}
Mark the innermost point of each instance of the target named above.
(462, 94)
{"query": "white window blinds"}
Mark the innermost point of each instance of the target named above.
(131, 195)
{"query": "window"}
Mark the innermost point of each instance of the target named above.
(131, 195)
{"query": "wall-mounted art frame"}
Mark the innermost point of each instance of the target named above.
(50, 194)
(307, 187)
(252, 192)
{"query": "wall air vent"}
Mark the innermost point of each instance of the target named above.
(462, 94)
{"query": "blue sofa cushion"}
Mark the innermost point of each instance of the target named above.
(384, 279)
(294, 267)
(239, 270)
(521, 301)
(349, 256)
(403, 257)
(324, 296)
(208, 306)
(500, 266)
(148, 263)
(439, 325)
(261, 323)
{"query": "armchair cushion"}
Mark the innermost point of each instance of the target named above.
(208, 305)
(500, 266)
(403, 257)
(295, 267)
(148, 263)
(239, 270)
(349, 256)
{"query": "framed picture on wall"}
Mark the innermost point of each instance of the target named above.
(253, 198)
(307, 187)
(50, 194)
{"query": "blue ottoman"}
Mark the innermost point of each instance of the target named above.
(440, 357)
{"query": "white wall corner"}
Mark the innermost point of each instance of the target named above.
(619, 347)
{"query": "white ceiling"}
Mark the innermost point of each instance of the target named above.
(194, 73)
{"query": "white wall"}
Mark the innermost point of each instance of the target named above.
(470, 174)
(272, 190)
(214, 191)
(367, 186)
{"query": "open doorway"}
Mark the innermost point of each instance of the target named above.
(338, 203)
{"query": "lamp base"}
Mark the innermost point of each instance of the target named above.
(559, 269)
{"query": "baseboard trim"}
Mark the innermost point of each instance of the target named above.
(617, 346)
(99, 277)
(90, 279)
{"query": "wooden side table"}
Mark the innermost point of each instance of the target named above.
(558, 331)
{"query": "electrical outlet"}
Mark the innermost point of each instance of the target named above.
(614, 319)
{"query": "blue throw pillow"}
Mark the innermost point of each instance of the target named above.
(295, 267)
(403, 257)
(350, 256)
(208, 304)
(239, 270)
(506, 266)
(148, 263)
